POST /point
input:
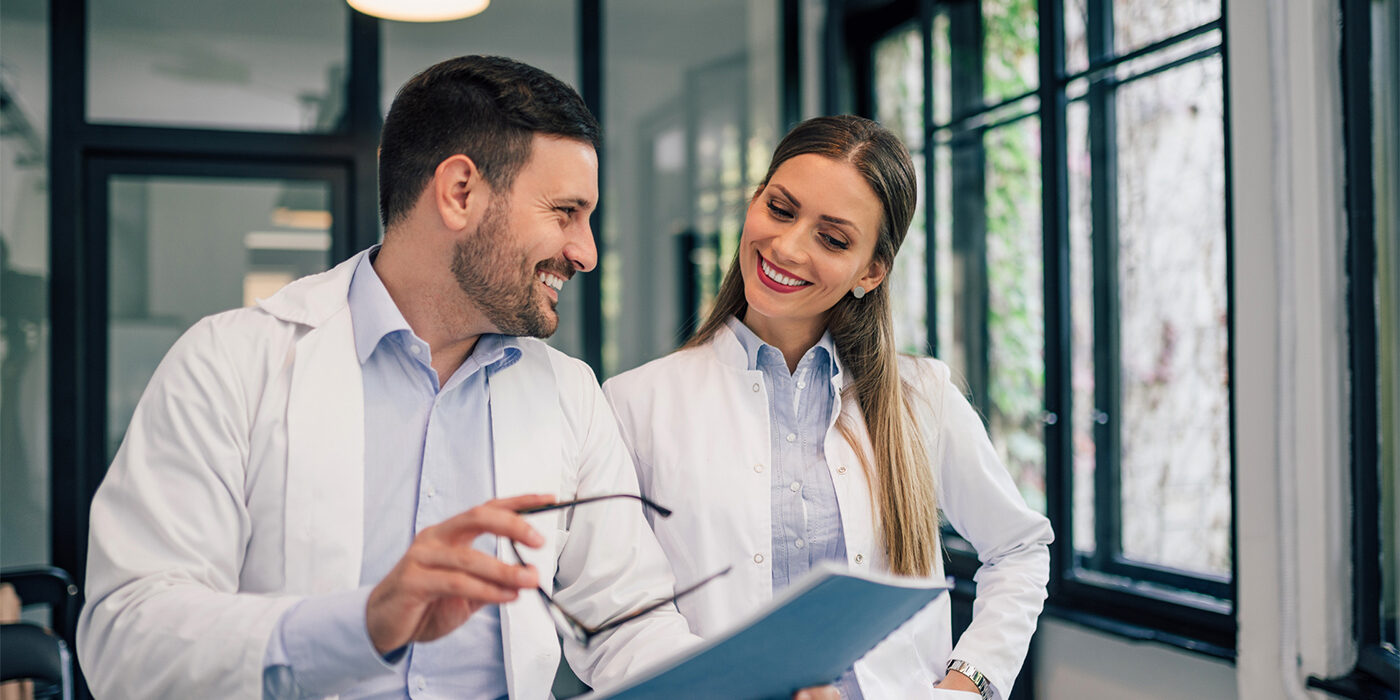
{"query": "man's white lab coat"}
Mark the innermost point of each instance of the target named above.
(239, 489)
(697, 423)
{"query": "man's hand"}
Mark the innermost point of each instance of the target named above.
(442, 580)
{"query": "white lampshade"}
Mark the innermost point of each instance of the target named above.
(420, 10)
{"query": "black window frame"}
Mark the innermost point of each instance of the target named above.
(1376, 672)
(1105, 591)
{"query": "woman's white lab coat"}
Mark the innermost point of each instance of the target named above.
(239, 489)
(697, 423)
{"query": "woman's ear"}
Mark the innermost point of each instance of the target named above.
(459, 192)
(874, 276)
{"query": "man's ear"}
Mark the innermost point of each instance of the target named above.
(459, 192)
(874, 276)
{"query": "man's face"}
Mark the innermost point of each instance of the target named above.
(532, 239)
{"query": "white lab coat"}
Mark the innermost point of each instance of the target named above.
(697, 424)
(239, 489)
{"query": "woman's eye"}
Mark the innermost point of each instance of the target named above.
(834, 242)
(778, 211)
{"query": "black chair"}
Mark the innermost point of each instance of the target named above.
(30, 652)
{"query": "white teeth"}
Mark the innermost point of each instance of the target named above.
(555, 282)
(781, 278)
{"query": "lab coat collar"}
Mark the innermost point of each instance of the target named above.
(313, 300)
(729, 351)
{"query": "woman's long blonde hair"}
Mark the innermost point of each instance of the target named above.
(902, 488)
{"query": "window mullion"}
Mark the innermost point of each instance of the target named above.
(1108, 502)
(969, 202)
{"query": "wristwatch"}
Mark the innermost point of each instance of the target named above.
(983, 686)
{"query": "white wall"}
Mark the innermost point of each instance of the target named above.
(1073, 663)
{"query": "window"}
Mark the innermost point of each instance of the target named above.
(1072, 268)
(1370, 65)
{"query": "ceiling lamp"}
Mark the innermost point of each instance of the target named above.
(420, 10)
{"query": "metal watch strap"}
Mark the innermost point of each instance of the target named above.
(983, 685)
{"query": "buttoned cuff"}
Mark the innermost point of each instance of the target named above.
(324, 642)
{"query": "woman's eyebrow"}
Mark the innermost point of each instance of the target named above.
(824, 217)
(788, 194)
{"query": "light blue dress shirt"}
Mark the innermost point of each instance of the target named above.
(428, 457)
(806, 516)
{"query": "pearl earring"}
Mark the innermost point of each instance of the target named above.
(858, 292)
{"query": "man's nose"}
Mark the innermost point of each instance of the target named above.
(580, 249)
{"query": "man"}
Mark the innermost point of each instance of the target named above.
(316, 495)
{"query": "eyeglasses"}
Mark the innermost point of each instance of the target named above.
(567, 622)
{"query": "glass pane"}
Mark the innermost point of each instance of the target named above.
(1015, 311)
(1081, 284)
(899, 85)
(909, 282)
(1137, 23)
(265, 65)
(1174, 423)
(1076, 40)
(1385, 89)
(24, 281)
(692, 119)
(949, 264)
(239, 228)
(942, 69)
(1010, 35)
(509, 29)
(504, 29)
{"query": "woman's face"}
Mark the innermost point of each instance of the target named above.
(809, 239)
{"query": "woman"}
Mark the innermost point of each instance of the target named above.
(789, 431)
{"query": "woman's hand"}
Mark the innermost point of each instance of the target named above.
(821, 692)
(957, 681)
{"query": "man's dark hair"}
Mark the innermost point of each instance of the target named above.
(487, 108)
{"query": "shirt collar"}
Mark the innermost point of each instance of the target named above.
(374, 315)
(753, 346)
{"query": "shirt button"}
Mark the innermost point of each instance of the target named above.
(755, 388)
(795, 486)
(841, 469)
(758, 558)
(758, 468)
(859, 558)
(432, 491)
(415, 349)
(420, 683)
(802, 385)
(799, 543)
(792, 437)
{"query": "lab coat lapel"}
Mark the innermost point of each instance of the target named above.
(325, 461)
(526, 434)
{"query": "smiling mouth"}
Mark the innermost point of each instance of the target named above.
(550, 280)
(777, 279)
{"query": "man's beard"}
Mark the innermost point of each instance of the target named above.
(501, 282)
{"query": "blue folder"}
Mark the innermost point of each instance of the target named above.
(808, 635)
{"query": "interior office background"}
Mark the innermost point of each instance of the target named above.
(1156, 239)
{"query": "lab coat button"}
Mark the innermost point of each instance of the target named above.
(758, 558)
(796, 486)
(841, 469)
(755, 387)
(859, 558)
(758, 468)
